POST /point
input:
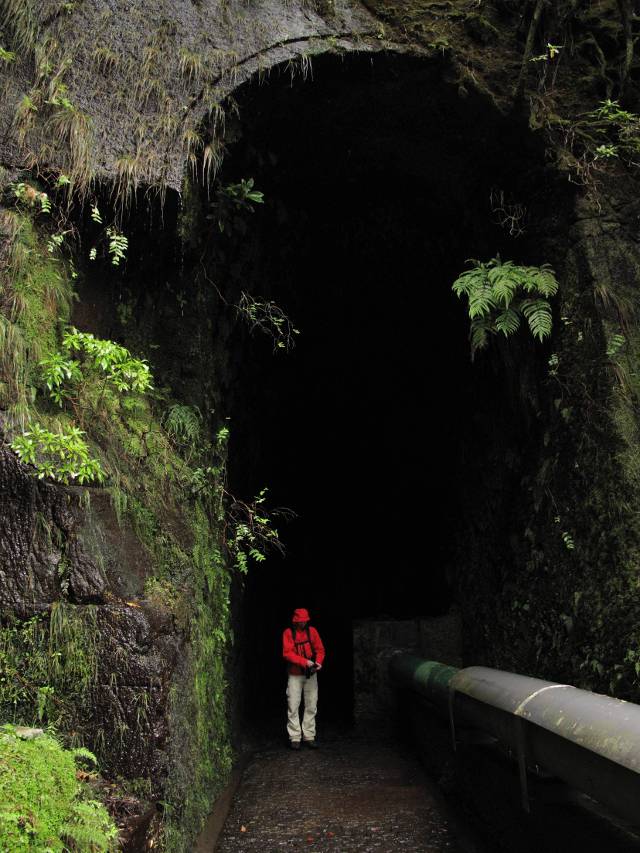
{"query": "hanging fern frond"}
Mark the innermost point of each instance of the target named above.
(481, 301)
(504, 282)
(500, 293)
(538, 314)
(184, 425)
(508, 322)
(479, 335)
(468, 280)
(545, 280)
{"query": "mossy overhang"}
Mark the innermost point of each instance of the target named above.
(139, 80)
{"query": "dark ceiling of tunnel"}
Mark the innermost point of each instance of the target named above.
(376, 428)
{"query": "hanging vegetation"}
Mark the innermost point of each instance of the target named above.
(501, 294)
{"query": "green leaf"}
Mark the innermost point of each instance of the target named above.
(479, 335)
(468, 281)
(539, 318)
(481, 301)
(508, 322)
(504, 283)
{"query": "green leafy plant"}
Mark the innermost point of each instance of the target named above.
(268, 318)
(615, 343)
(605, 152)
(29, 195)
(249, 530)
(243, 193)
(80, 374)
(60, 456)
(55, 241)
(609, 132)
(59, 98)
(500, 294)
(58, 369)
(118, 245)
(233, 199)
(184, 425)
(611, 111)
(552, 50)
(65, 376)
(115, 361)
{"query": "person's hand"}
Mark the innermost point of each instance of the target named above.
(311, 663)
(318, 666)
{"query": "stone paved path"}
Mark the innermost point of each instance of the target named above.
(351, 796)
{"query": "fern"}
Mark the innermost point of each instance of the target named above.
(508, 321)
(538, 314)
(500, 293)
(184, 425)
(504, 282)
(481, 301)
(89, 828)
(479, 334)
(82, 752)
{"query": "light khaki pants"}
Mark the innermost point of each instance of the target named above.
(297, 686)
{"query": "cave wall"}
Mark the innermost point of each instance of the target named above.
(115, 610)
(560, 599)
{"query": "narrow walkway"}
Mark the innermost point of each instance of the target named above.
(350, 796)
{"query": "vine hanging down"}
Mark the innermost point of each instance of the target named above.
(500, 293)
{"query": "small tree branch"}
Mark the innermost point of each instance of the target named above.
(528, 48)
(626, 13)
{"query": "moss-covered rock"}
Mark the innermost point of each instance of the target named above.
(43, 803)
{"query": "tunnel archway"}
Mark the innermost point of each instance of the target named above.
(380, 181)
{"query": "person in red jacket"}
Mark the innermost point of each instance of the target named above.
(303, 650)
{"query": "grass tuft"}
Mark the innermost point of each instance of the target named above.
(71, 128)
(18, 20)
(191, 66)
(106, 60)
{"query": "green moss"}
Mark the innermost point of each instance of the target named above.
(49, 666)
(50, 661)
(43, 806)
(199, 714)
(192, 581)
(38, 293)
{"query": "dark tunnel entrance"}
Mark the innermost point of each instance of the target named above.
(402, 459)
(376, 429)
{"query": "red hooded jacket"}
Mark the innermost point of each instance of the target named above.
(299, 646)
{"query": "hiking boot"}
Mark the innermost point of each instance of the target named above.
(311, 744)
(294, 744)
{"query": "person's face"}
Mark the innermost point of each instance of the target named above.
(300, 626)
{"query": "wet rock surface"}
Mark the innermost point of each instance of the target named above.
(351, 795)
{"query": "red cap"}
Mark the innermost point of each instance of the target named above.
(300, 615)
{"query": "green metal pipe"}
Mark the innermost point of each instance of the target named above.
(426, 677)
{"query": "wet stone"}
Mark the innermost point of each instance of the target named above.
(351, 796)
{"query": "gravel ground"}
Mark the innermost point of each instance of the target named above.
(350, 796)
